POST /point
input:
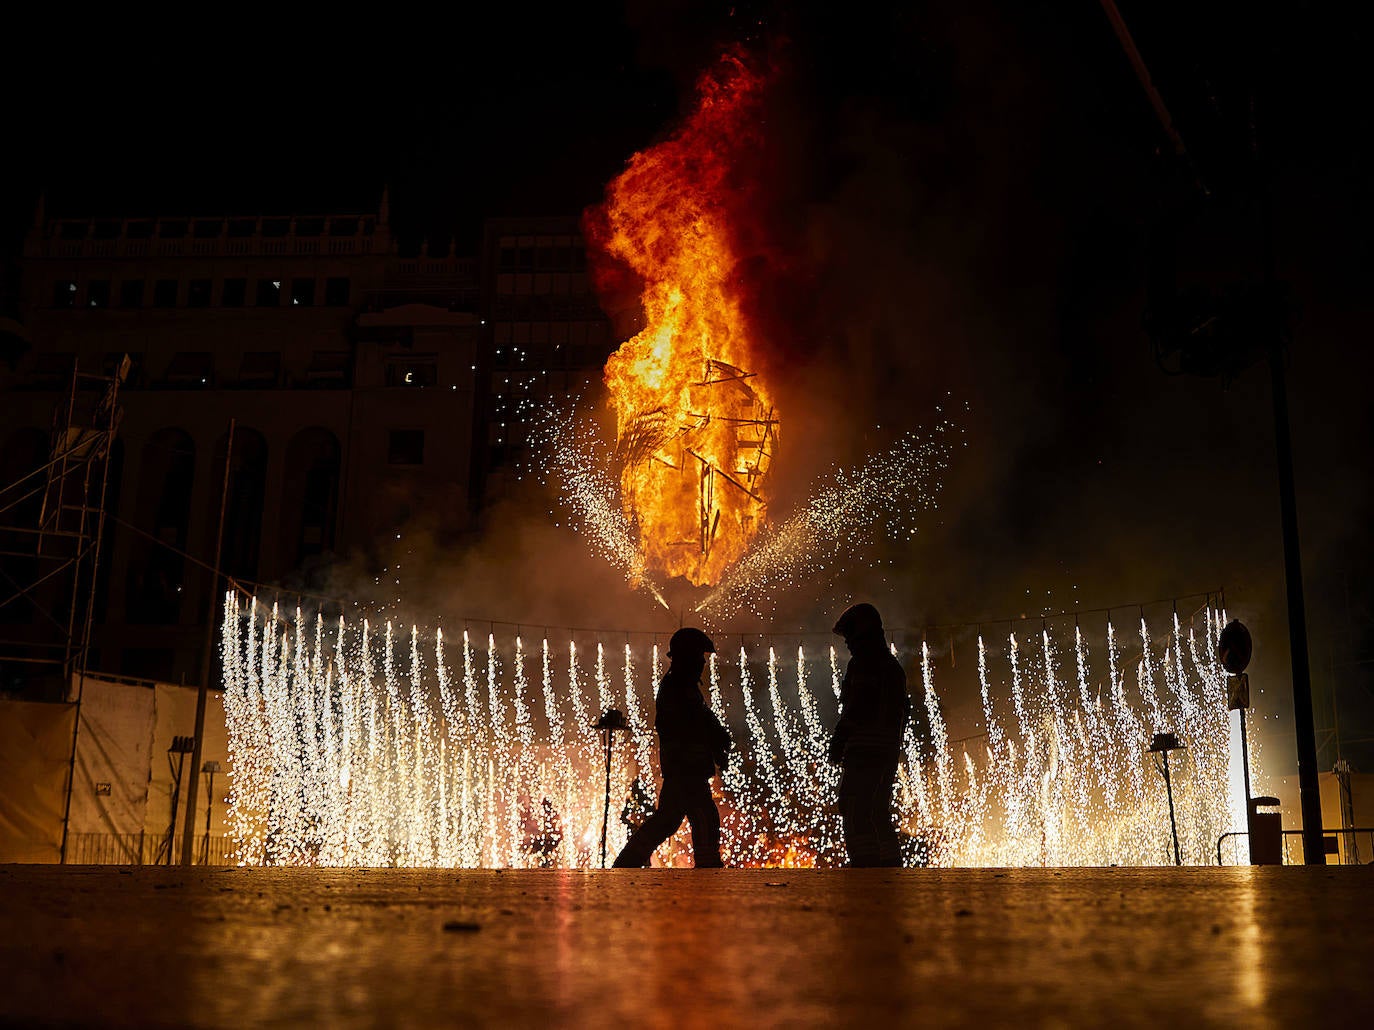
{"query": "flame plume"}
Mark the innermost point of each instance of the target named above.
(697, 427)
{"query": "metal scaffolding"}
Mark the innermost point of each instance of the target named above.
(52, 522)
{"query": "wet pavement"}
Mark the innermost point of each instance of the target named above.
(111, 946)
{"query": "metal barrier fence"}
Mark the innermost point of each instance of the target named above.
(1349, 846)
(146, 849)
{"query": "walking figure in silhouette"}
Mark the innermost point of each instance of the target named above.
(867, 742)
(691, 743)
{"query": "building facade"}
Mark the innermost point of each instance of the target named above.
(366, 389)
(547, 338)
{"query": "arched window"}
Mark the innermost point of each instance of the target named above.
(157, 571)
(243, 511)
(310, 499)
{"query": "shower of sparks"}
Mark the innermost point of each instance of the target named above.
(882, 495)
(568, 452)
(355, 745)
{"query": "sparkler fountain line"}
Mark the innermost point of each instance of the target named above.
(641, 732)
(352, 751)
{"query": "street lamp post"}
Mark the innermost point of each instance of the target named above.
(1162, 744)
(611, 720)
(211, 767)
(181, 747)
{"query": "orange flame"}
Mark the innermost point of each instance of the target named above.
(696, 424)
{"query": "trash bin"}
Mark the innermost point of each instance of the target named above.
(1266, 832)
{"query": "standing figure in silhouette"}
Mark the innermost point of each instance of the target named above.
(691, 743)
(867, 742)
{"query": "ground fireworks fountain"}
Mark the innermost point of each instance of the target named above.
(368, 745)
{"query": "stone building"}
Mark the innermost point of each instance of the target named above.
(367, 388)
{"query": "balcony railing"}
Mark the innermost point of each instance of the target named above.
(335, 234)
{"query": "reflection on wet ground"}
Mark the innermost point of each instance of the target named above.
(234, 947)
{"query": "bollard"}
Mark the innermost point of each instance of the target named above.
(1266, 832)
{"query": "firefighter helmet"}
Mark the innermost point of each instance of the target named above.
(689, 642)
(858, 621)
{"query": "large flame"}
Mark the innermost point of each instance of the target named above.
(697, 426)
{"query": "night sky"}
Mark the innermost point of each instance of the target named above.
(965, 197)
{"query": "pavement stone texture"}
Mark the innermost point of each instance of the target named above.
(94, 946)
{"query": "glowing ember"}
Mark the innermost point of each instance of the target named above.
(351, 747)
(696, 425)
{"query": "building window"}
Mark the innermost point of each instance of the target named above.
(269, 293)
(171, 230)
(336, 292)
(312, 489)
(72, 231)
(205, 229)
(98, 293)
(191, 369)
(131, 293)
(64, 293)
(51, 370)
(260, 368)
(329, 369)
(412, 372)
(309, 226)
(142, 230)
(406, 447)
(165, 293)
(163, 505)
(233, 293)
(302, 292)
(242, 228)
(343, 227)
(276, 226)
(198, 293)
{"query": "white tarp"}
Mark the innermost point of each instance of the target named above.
(35, 749)
(113, 760)
(122, 788)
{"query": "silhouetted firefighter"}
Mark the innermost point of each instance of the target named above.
(867, 742)
(691, 743)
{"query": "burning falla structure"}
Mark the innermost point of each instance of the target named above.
(685, 493)
(697, 428)
(694, 478)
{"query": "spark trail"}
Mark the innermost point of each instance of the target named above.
(350, 747)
